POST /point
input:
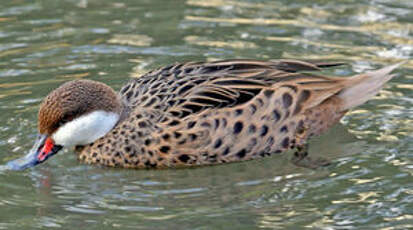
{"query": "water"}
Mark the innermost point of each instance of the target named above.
(369, 185)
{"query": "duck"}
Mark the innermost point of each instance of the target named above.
(199, 113)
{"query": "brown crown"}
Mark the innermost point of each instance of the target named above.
(73, 99)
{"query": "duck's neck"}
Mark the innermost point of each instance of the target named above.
(124, 113)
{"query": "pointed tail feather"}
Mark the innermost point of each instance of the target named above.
(361, 88)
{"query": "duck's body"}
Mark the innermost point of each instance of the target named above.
(225, 111)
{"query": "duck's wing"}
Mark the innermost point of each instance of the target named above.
(230, 83)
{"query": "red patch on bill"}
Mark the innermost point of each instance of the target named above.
(47, 148)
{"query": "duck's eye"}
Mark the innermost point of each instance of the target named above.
(64, 120)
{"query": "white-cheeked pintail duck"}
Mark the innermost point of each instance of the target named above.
(199, 113)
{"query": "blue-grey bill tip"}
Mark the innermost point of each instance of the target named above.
(22, 163)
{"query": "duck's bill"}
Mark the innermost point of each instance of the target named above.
(43, 148)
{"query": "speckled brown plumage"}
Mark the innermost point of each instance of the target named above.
(217, 112)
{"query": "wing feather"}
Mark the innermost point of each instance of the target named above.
(196, 86)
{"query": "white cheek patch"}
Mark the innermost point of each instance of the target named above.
(85, 129)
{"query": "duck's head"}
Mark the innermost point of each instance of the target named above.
(75, 114)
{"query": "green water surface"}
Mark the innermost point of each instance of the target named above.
(369, 185)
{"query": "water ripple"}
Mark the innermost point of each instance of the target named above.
(367, 186)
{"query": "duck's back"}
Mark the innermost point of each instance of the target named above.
(217, 112)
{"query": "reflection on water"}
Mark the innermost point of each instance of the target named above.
(46, 43)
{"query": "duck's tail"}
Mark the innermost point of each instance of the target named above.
(361, 88)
